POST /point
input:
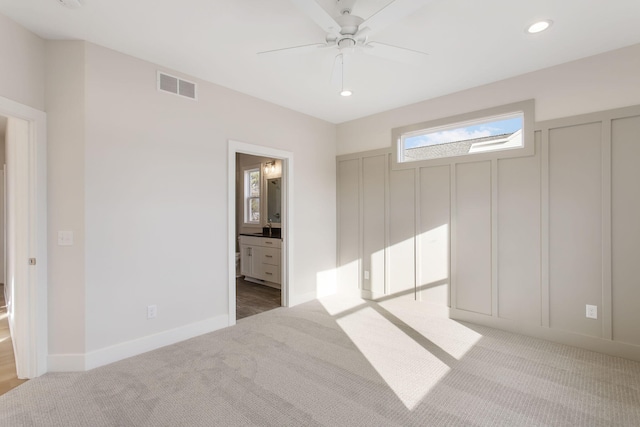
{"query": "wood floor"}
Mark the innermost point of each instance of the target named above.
(252, 298)
(8, 378)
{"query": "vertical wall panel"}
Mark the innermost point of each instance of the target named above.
(402, 212)
(519, 238)
(373, 189)
(348, 224)
(575, 227)
(473, 237)
(625, 160)
(551, 232)
(433, 240)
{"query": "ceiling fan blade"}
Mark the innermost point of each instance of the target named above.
(295, 49)
(395, 53)
(320, 16)
(392, 13)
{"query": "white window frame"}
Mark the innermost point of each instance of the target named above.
(246, 171)
(526, 108)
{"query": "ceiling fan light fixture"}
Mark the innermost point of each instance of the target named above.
(539, 26)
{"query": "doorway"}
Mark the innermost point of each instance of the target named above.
(258, 234)
(25, 282)
(285, 239)
(8, 372)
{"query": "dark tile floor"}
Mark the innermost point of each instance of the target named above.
(252, 298)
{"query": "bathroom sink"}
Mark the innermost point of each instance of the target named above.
(275, 233)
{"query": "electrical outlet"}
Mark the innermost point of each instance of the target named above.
(366, 275)
(152, 311)
(592, 311)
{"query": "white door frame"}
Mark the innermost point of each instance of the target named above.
(30, 331)
(287, 218)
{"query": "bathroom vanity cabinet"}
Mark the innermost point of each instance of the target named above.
(260, 259)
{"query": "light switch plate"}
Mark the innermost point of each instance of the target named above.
(65, 238)
(592, 311)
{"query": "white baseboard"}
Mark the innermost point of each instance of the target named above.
(107, 355)
(600, 345)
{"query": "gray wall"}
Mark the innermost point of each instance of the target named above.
(520, 243)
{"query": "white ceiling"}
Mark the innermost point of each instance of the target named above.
(470, 43)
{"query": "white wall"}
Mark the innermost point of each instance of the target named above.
(65, 95)
(22, 70)
(155, 182)
(592, 84)
(139, 177)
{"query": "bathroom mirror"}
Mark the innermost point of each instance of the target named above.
(274, 200)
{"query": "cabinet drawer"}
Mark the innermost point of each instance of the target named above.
(271, 256)
(270, 243)
(271, 273)
(267, 242)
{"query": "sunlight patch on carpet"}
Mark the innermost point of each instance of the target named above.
(449, 335)
(408, 369)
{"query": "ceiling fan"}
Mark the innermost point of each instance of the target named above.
(348, 33)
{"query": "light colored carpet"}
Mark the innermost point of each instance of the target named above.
(342, 361)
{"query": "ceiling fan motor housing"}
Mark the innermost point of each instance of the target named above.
(349, 24)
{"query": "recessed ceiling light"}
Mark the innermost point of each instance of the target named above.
(539, 26)
(346, 92)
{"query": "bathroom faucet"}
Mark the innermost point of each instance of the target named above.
(269, 225)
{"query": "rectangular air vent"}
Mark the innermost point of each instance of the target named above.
(176, 86)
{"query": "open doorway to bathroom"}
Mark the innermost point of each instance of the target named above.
(260, 235)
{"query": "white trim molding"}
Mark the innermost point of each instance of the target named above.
(287, 220)
(31, 331)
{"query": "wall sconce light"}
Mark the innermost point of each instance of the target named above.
(270, 167)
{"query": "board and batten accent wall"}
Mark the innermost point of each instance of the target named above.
(522, 244)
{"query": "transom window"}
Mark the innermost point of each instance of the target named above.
(499, 129)
(496, 133)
